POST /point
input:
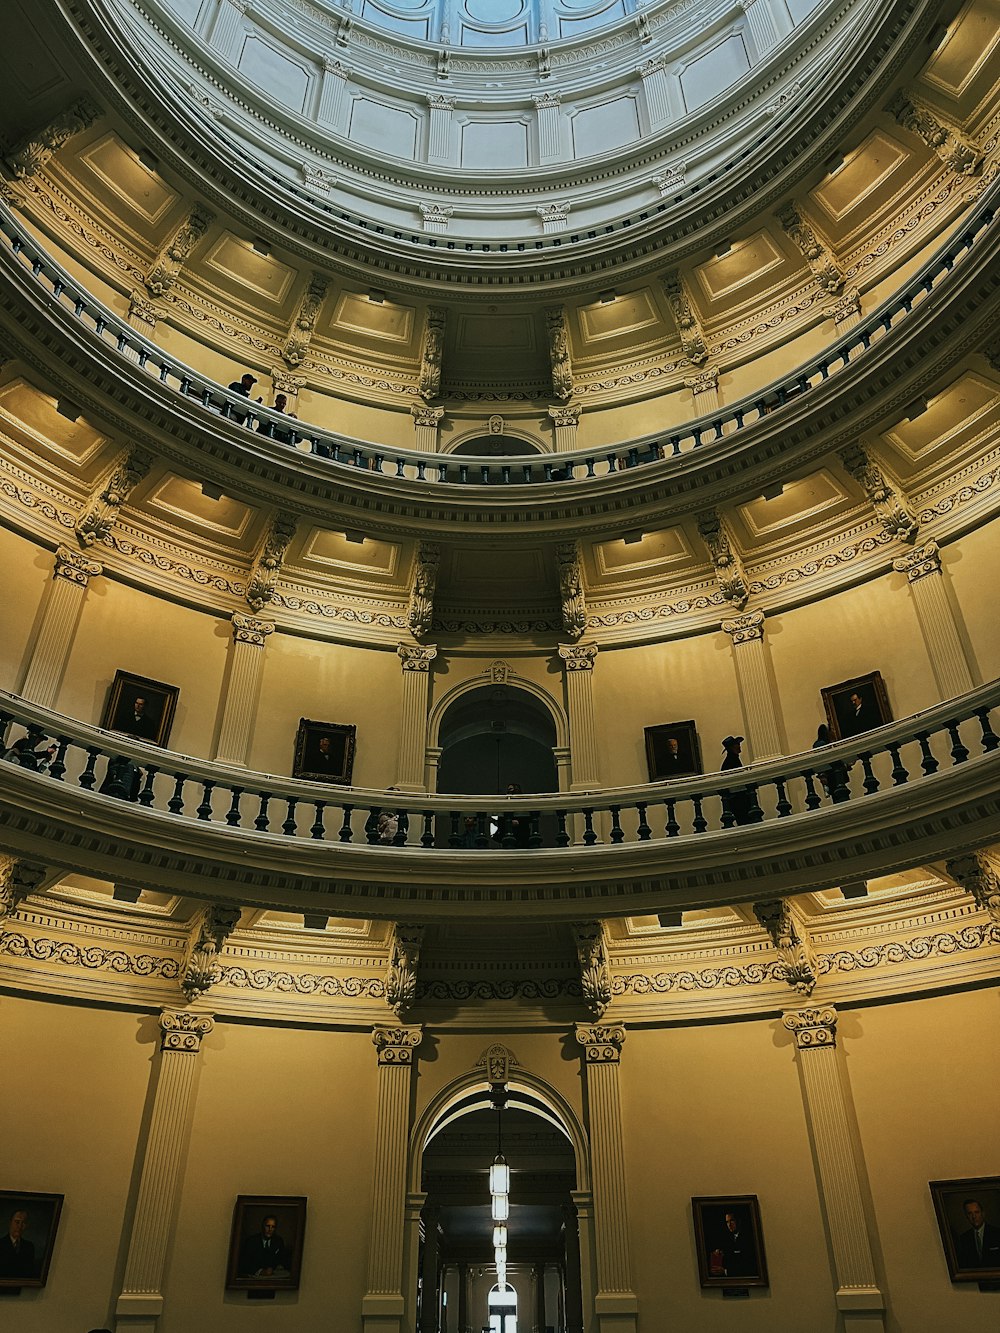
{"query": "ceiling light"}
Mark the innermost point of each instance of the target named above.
(355, 538)
(499, 1175)
(67, 409)
(260, 246)
(376, 297)
(936, 37)
(210, 491)
(632, 538)
(147, 160)
(916, 409)
(606, 298)
(501, 1207)
(772, 492)
(315, 920)
(500, 1236)
(723, 249)
(834, 164)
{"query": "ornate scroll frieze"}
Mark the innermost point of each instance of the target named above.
(212, 927)
(574, 606)
(825, 269)
(745, 628)
(175, 254)
(595, 974)
(578, 656)
(790, 936)
(248, 629)
(919, 562)
(401, 973)
(267, 563)
(303, 324)
(101, 510)
(951, 146)
(420, 614)
(559, 357)
(395, 1046)
(978, 877)
(812, 1028)
(497, 1060)
(688, 327)
(17, 880)
(182, 1032)
(728, 567)
(416, 657)
(31, 153)
(602, 1042)
(432, 353)
(890, 505)
(75, 567)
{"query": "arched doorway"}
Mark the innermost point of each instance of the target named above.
(495, 735)
(496, 446)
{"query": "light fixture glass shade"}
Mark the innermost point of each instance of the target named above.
(499, 1176)
(500, 1235)
(501, 1207)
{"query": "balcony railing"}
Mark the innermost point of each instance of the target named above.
(299, 437)
(107, 766)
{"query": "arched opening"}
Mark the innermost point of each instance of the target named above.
(496, 446)
(503, 1310)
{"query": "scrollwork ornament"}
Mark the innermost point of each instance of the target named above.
(416, 657)
(201, 966)
(248, 629)
(790, 937)
(401, 976)
(75, 567)
(919, 563)
(18, 879)
(182, 1031)
(32, 152)
(595, 975)
(578, 656)
(395, 1046)
(602, 1042)
(813, 1029)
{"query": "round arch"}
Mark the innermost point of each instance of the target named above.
(503, 676)
(478, 443)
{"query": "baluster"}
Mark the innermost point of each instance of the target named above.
(115, 787)
(482, 831)
(617, 832)
(755, 815)
(402, 829)
(535, 829)
(591, 470)
(262, 823)
(233, 815)
(346, 833)
(562, 837)
(589, 836)
(728, 819)
(288, 827)
(427, 837)
(507, 838)
(837, 779)
(699, 823)
(927, 762)
(454, 837)
(176, 803)
(784, 806)
(88, 777)
(959, 753)
(400, 470)
(672, 827)
(505, 474)
(813, 798)
(318, 832)
(58, 766)
(899, 773)
(371, 824)
(204, 811)
(146, 796)
(990, 739)
(643, 831)
(871, 783)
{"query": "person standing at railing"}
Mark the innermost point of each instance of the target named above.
(736, 803)
(834, 776)
(387, 825)
(242, 386)
(268, 427)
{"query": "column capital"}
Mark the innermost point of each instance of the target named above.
(705, 382)
(977, 877)
(812, 1028)
(181, 1030)
(75, 566)
(578, 656)
(565, 416)
(543, 101)
(416, 656)
(655, 65)
(745, 628)
(440, 102)
(396, 1045)
(426, 416)
(247, 629)
(919, 562)
(602, 1042)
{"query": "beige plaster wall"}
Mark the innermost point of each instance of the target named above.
(972, 574)
(28, 572)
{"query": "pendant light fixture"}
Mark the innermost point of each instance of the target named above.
(500, 1194)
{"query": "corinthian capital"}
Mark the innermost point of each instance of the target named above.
(578, 656)
(919, 562)
(416, 657)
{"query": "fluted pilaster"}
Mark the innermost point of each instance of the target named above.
(239, 706)
(938, 619)
(415, 661)
(61, 614)
(579, 659)
(750, 655)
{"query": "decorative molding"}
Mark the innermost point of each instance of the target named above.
(688, 327)
(263, 577)
(31, 153)
(420, 614)
(175, 254)
(303, 323)
(977, 876)
(498, 671)
(432, 353)
(182, 1031)
(919, 563)
(595, 976)
(100, 512)
(956, 151)
(728, 567)
(401, 973)
(18, 879)
(75, 567)
(478, 992)
(416, 657)
(825, 271)
(890, 505)
(92, 957)
(601, 1042)
(578, 656)
(812, 1028)
(569, 560)
(395, 1046)
(745, 628)
(212, 927)
(497, 1060)
(300, 983)
(559, 357)
(790, 936)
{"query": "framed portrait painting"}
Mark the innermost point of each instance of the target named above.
(856, 706)
(672, 751)
(968, 1217)
(140, 707)
(324, 752)
(729, 1241)
(28, 1226)
(265, 1245)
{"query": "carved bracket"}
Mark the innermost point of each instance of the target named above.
(790, 937)
(595, 975)
(201, 963)
(401, 975)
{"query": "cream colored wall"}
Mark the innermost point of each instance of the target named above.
(279, 1111)
(717, 1110)
(27, 573)
(76, 1087)
(972, 573)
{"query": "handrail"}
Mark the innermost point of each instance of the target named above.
(107, 764)
(468, 470)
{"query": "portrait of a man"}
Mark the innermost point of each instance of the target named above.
(263, 1253)
(730, 1241)
(672, 751)
(324, 752)
(856, 706)
(140, 708)
(968, 1214)
(265, 1245)
(28, 1225)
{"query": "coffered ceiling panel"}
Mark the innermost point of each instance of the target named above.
(507, 572)
(870, 178)
(802, 500)
(355, 314)
(964, 68)
(32, 417)
(954, 419)
(653, 555)
(251, 279)
(117, 171)
(621, 319)
(749, 268)
(181, 501)
(335, 553)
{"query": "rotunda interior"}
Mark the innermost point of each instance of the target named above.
(441, 441)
